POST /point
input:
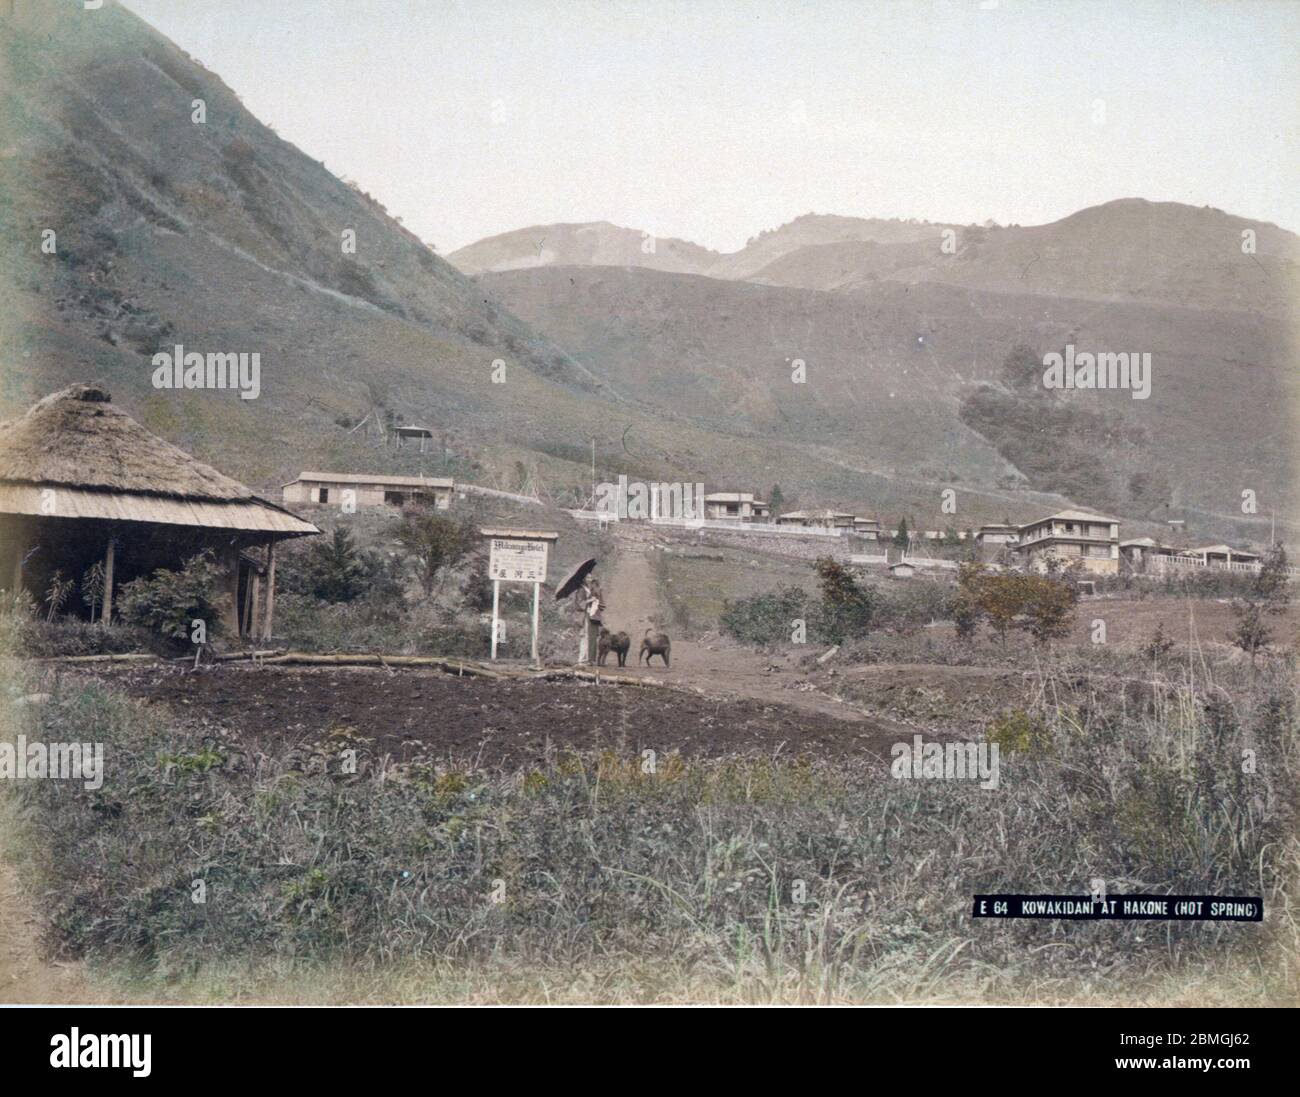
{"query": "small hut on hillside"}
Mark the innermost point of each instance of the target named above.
(82, 482)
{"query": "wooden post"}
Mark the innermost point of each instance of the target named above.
(255, 582)
(270, 591)
(496, 600)
(20, 551)
(106, 614)
(537, 593)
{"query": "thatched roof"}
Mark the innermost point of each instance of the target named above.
(106, 465)
(75, 437)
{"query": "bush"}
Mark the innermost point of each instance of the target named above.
(906, 606)
(434, 542)
(25, 636)
(767, 618)
(334, 570)
(846, 607)
(169, 602)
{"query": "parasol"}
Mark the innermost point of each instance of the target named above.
(574, 581)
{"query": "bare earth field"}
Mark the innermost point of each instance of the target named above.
(491, 723)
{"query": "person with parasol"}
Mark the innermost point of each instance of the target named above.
(588, 602)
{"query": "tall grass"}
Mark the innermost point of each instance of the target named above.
(586, 878)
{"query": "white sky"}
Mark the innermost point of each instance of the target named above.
(714, 119)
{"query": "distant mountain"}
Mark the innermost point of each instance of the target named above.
(1127, 250)
(139, 227)
(600, 244)
(909, 380)
(814, 230)
(218, 235)
(596, 244)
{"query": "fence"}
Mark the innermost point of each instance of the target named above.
(1183, 563)
(604, 518)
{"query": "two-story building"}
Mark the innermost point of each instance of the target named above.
(997, 533)
(1070, 537)
(735, 505)
(867, 527)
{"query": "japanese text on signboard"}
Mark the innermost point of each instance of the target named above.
(521, 561)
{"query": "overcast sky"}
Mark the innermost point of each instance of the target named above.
(714, 119)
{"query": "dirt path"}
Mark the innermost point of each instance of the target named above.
(720, 668)
(25, 977)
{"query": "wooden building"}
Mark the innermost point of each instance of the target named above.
(1070, 537)
(818, 519)
(868, 528)
(81, 483)
(368, 489)
(997, 533)
(722, 505)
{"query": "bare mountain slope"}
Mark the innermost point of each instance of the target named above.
(894, 376)
(219, 236)
(1129, 249)
(813, 230)
(594, 244)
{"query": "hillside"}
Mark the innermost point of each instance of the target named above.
(899, 377)
(1127, 250)
(592, 245)
(221, 237)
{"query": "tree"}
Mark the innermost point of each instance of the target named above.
(434, 542)
(775, 499)
(966, 611)
(846, 607)
(900, 535)
(1048, 607)
(1041, 605)
(1267, 596)
(334, 569)
(92, 588)
(58, 593)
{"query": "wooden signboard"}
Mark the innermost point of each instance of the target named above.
(517, 556)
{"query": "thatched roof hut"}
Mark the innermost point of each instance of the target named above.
(75, 471)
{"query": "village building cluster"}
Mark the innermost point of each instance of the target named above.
(84, 487)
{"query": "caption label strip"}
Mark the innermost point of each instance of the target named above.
(1122, 908)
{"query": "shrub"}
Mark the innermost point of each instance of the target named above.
(766, 618)
(434, 542)
(1016, 732)
(846, 607)
(334, 570)
(169, 602)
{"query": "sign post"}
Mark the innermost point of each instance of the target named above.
(517, 556)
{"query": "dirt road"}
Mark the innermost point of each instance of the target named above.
(24, 975)
(720, 668)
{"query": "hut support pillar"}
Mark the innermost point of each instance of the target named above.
(270, 591)
(110, 555)
(20, 551)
